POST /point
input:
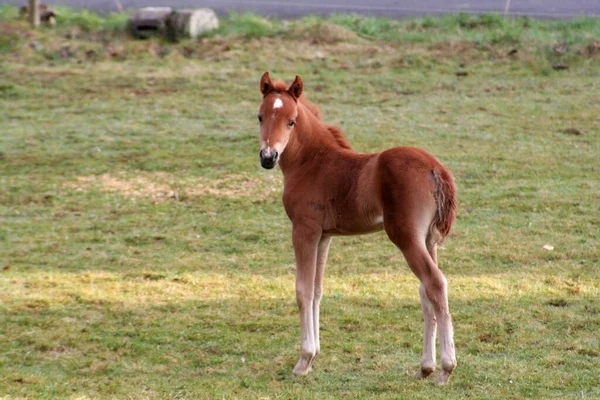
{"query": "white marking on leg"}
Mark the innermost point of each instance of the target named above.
(322, 252)
(307, 336)
(429, 330)
(448, 358)
(447, 355)
(278, 103)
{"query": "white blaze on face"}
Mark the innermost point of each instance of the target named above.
(268, 148)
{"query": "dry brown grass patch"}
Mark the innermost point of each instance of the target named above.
(163, 186)
(593, 49)
(323, 33)
(454, 48)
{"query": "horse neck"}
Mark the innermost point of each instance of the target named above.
(310, 138)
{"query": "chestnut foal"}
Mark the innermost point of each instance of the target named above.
(329, 190)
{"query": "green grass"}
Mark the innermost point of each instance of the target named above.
(145, 253)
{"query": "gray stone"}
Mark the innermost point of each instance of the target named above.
(149, 21)
(191, 23)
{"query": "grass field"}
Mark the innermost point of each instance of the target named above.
(146, 255)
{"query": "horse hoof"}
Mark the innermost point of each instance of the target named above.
(299, 371)
(424, 372)
(302, 368)
(443, 378)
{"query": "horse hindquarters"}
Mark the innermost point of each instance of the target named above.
(418, 197)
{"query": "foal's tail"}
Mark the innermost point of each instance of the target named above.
(445, 199)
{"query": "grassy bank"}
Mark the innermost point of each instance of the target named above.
(145, 253)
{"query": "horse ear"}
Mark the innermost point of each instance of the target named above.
(266, 86)
(296, 87)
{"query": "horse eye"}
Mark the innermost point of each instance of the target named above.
(259, 118)
(292, 123)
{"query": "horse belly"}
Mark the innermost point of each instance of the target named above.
(354, 230)
(354, 223)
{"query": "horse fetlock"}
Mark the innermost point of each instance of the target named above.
(448, 364)
(308, 354)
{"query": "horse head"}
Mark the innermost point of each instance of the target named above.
(277, 117)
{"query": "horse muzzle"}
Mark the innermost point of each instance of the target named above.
(268, 158)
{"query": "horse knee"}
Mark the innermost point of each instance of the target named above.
(304, 296)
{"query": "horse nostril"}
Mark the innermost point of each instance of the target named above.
(260, 153)
(275, 155)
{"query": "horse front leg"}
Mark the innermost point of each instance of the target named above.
(322, 252)
(305, 248)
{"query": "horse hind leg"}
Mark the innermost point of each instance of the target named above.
(429, 321)
(446, 331)
(447, 338)
(434, 300)
(429, 331)
(432, 243)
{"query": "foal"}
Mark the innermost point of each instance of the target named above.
(329, 190)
